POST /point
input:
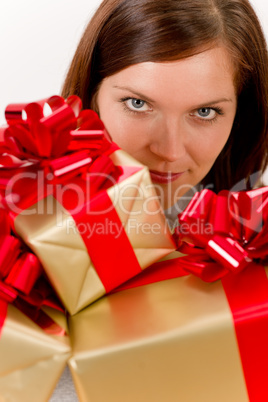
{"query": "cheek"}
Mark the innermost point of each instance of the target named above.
(211, 147)
(121, 133)
(130, 135)
(112, 122)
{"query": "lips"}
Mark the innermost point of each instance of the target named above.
(164, 177)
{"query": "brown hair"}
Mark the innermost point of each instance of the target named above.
(126, 32)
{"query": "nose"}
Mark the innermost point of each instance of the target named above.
(168, 141)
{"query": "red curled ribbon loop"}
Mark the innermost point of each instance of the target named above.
(20, 272)
(223, 233)
(62, 145)
(65, 130)
(19, 269)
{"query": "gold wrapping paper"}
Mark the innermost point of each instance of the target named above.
(53, 238)
(168, 341)
(31, 361)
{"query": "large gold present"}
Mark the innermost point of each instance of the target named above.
(172, 340)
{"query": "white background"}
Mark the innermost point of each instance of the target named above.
(38, 39)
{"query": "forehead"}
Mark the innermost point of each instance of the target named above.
(215, 60)
(208, 73)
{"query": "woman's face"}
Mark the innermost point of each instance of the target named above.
(175, 117)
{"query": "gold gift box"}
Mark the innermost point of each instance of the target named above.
(168, 341)
(31, 361)
(62, 250)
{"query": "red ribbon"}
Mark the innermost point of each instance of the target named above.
(157, 272)
(247, 294)
(223, 233)
(121, 263)
(20, 271)
(66, 129)
(62, 143)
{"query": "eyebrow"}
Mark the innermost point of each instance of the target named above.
(144, 97)
(214, 102)
(138, 94)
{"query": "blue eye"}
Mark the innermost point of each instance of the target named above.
(206, 112)
(137, 103)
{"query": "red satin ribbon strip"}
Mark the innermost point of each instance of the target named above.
(3, 313)
(107, 235)
(157, 272)
(247, 294)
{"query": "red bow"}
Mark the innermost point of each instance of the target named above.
(66, 129)
(22, 283)
(63, 144)
(223, 233)
(19, 269)
(65, 140)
